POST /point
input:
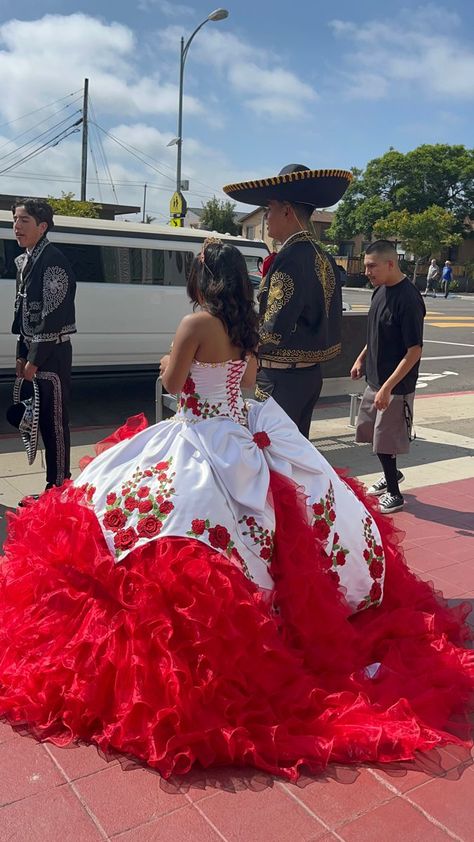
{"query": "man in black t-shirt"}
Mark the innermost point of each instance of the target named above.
(391, 360)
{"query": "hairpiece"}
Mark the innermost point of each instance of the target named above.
(209, 241)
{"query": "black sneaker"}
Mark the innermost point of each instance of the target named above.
(390, 503)
(380, 487)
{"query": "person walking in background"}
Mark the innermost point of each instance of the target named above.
(300, 298)
(391, 360)
(432, 279)
(447, 277)
(44, 320)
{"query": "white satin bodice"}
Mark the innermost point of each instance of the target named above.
(213, 390)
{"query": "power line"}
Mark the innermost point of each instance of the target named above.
(96, 172)
(54, 141)
(102, 153)
(49, 105)
(38, 137)
(40, 123)
(129, 150)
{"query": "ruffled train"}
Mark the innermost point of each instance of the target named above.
(175, 658)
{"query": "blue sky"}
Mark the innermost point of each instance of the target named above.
(331, 85)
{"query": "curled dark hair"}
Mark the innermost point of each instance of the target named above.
(219, 282)
(39, 209)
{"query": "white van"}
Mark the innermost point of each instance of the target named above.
(131, 287)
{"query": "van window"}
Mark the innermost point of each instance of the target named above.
(123, 265)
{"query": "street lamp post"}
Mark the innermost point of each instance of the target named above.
(177, 202)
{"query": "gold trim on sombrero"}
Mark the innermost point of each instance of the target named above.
(287, 178)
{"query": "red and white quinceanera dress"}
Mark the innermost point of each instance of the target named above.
(211, 592)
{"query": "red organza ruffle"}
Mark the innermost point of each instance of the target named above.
(173, 656)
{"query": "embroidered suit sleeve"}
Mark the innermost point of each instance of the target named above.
(284, 305)
(55, 314)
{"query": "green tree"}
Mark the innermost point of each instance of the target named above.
(219, 216)
(67, 205)
(420, 233)
(438, 174)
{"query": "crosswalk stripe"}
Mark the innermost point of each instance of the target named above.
(451, 324)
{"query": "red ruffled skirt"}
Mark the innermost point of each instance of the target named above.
(174, 657)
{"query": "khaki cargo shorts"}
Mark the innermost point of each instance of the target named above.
(389, 431)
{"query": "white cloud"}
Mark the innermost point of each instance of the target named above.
(263, 85)
(422, 47)
(62, 50)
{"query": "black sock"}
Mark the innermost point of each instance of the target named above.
(389, 465)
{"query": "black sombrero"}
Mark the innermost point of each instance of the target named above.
(294, 183)
(24, 415)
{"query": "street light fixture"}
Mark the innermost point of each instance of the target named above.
(218, 14)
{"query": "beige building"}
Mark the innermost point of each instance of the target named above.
(254, 228)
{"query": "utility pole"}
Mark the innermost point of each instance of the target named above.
(144, 203)
(84, 140)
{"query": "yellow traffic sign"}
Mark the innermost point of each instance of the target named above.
(177, 204)
(177, 221)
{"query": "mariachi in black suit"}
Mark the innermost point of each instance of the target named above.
(44, 320)
(300, 306)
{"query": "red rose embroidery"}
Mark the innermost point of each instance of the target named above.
(219, 537)
(162, 477)
(265, 553)
(189, 387)
(111, 498)
(198, 526)
(148, 473)
(340, 558)
(125, 539)
(376, 569)
(149, 526)
(261, 440)
(318, 508)
(114, 520)
(250, 521)
(162, 466)
(332, 515)
(192, 404)
(145, 506)
(166, 507)
(378, 550)
(336, 538)
(321, 530)
(375, 592)
(143, 491)
(266, 265)
(130, 503)
(366, 555)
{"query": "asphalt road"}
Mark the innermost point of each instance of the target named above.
(447, 364)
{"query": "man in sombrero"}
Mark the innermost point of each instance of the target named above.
(300, 300)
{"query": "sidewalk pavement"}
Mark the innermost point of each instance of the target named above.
(56, 795)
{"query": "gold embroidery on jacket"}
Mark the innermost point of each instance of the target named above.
(293, 355)
(281, 290)
(269, 338)
(325, 273)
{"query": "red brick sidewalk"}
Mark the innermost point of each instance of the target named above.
(54, 795)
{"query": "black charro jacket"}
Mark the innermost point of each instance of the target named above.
(44, 305)
(300, 304)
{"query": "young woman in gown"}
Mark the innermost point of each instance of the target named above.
(210, 592)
